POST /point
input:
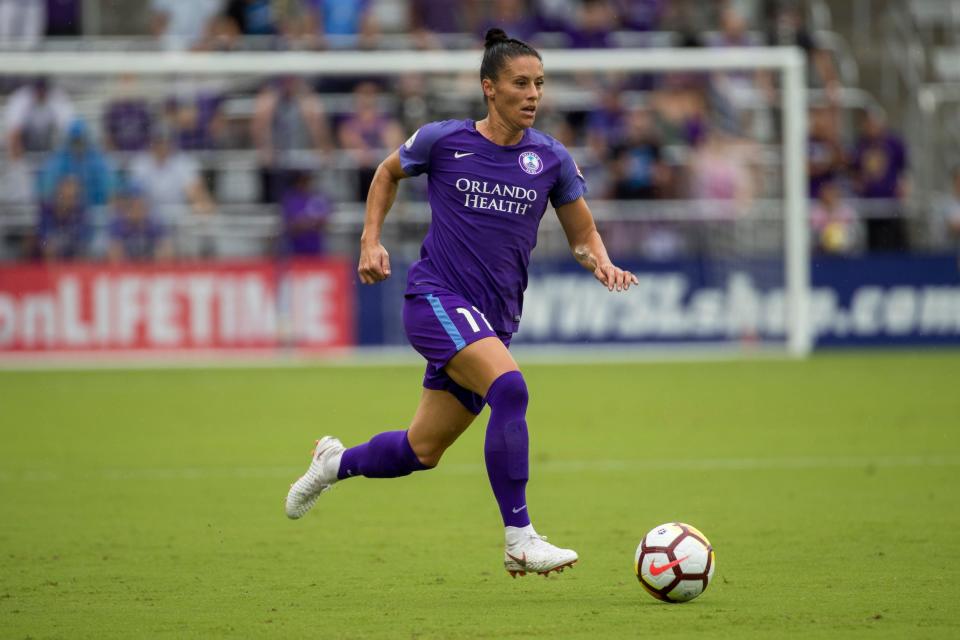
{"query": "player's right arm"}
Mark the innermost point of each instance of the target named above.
(411, 159)
(374, 260)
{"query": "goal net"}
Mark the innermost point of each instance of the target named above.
(694, 160)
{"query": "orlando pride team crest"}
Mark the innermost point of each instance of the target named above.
(531, 162)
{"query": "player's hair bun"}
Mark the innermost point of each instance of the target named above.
(494, 36)
(498, 49)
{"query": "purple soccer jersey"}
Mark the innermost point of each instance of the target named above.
(486, 203)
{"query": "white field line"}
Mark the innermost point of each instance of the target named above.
(559, 466)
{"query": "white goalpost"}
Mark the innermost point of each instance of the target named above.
(788, 63)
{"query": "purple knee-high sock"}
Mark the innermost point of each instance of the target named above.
(505, 448)
(387, 455)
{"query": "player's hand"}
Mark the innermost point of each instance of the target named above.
(613, 277)
(374, 264)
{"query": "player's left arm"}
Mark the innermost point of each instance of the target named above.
(588, 248)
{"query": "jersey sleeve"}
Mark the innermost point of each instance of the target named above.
(415, 152)
(570, 183)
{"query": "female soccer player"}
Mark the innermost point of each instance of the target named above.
(489, 182)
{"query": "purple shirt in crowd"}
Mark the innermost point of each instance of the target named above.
(641, 15)
(127, 123)
(139, 239)
(580, 38)
(439, 16)
(524, 28)
(879, 163)
(608, 123)
(304, 206)
(63, 17)
(372, 132)
(486, 204)
(201, 135)
(63, 236)
(820, 151)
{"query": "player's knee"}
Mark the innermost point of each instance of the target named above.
(509, 390)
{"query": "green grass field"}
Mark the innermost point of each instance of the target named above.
(150, 503)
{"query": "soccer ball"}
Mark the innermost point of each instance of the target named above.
(674, 562)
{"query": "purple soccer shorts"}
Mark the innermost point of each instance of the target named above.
(438, 326)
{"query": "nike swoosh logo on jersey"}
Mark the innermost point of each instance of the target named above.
(655, 570)
(520, 509)
(458, 155)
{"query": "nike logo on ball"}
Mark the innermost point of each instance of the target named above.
(655, 570)
(458, 155)
(520, 509)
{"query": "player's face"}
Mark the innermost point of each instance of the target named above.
(516, 93)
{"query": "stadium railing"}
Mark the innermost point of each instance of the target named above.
(251, 229)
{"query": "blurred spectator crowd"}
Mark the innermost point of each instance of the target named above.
(123, 178)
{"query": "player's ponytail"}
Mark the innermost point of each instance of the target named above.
(498, 48)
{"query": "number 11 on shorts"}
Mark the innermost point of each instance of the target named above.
(473, 323)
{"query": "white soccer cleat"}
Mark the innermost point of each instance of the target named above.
(532, 553)
(320, 476)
